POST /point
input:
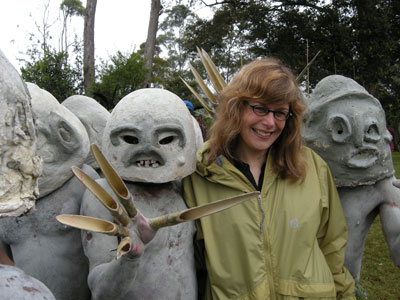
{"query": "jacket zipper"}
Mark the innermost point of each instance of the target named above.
(263, 213)
(268, 254)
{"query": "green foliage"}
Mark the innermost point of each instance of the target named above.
(172, 56)
(57, 71)
(396, 163)
(357, 39)
(223, 38)
(52, 73)
(379, 277)
(120, 76)
(72, 7)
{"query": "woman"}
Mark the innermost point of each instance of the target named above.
(290, 242)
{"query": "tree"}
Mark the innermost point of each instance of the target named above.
(117, 78)
(44, 28)
(357, 38)
(173, 64)
(49, 68)
(151, 38)
(181, 31)
(88, 47)
(53, 74)
(69, 8)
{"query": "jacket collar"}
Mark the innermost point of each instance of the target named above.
(222, 171)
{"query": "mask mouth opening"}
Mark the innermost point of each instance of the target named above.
(363, 158)
(141, 159)
(148, 163)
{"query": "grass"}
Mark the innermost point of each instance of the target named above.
(379, 277)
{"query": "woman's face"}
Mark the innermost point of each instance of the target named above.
(258, 133)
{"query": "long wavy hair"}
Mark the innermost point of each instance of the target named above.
(265, 81)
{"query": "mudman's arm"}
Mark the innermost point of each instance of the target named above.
(116, 233)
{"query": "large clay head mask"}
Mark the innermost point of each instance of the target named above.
(62, 139)
(150, 137)
(346, 126)
(20, 165)
(93, 116)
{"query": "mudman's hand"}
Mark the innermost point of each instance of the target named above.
(140, 234)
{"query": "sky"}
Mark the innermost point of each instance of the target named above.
(119, 25)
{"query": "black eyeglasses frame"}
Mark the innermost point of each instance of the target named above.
(261, 110)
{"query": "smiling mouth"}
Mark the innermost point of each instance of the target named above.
(363, 158)
(262, 133)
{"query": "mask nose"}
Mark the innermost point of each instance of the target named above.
(358, 132)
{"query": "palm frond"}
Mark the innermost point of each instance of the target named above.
(215, 77)
(203, 86)
(201, 100)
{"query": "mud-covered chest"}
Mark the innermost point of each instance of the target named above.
(42, 219)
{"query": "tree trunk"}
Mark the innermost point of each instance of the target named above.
(88, 47)
(151, 39)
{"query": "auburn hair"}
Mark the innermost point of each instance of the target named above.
(265, 81)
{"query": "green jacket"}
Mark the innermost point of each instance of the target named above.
(287, 244)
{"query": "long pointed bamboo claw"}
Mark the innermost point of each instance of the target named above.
(93, 224)
(115, 181)
(198, 212)
(124, 246)
(215, 77)
(104, 197)
(214, 69)
(201, 100)
(202, 84)
(166, 220)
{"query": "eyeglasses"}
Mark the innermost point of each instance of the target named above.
(261, 110)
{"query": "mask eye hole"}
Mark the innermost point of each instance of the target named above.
(372, 133)
(167, 140)
(65, 134)
(173, 136)
(373, 129)
(340, 128)
(130, 139)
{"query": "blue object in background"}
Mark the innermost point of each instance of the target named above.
(189, 105)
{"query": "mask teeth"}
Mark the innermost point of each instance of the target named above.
(148, 163)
